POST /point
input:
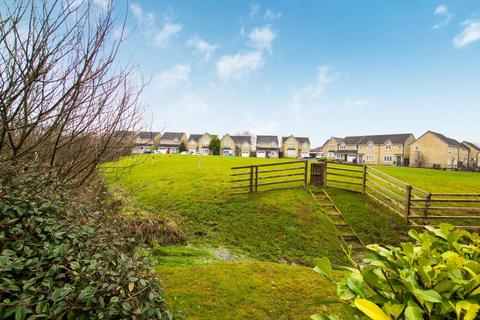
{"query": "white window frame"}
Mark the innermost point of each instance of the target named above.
(387, 158)
(291, 145)
(369, 158)
(388, 146)
(226, 144)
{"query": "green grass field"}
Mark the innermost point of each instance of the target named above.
(436, 180)
(280, 225)
(248, 256)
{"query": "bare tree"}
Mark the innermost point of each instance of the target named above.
(66, 104)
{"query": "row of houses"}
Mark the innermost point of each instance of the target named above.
(266, 146)
(431, 150)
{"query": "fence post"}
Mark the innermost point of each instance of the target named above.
(256, 178)
(364, 178)
(408, 197)
(305, 175)
(427, 205)
(251, 179)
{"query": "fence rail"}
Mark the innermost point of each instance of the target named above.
(417, 206)
(255, 176)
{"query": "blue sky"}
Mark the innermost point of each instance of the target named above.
(308, 68)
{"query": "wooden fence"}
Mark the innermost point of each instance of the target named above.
(249, 179)
(417, 207)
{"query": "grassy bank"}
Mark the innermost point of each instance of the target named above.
(281, 225)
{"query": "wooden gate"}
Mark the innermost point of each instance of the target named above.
(249, 179)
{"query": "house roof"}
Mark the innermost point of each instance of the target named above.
(338, 139)
(147, 134)
(195, 137)
(317, 149)
(302, 140)
(173, 135)
(447, 140)
(241, 139)
(353, 139)
(299, 139)
(471, 145)
(398, 138)
(267, 139)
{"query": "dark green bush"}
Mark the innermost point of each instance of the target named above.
(60, 259)
(436, 276)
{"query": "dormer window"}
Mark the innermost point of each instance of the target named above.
(388, 146)
(370, 146)
(342, 147)
(175, 140)
(273, 145)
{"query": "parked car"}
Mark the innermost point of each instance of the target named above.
(184, 152)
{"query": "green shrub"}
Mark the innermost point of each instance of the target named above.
(435, 277)
(64, 260)
(214, 146)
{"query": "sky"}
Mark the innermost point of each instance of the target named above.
(307, 68)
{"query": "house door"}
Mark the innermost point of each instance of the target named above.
(399, 160)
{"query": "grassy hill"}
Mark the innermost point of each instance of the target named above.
(244, 253)
(281, 225)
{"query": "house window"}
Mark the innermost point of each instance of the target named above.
(273, 145)
(370, 146)
(388, 146)
(342, 147)
(226, 144)
(369, 158)
(290, 145)
(387, 159)
(417, 148)
(175, 140)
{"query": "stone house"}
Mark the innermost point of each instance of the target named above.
(239, 146)
(267, 147)
(386, 149)
(170, 142)
(434, 150)
(294, 147)
(145, 141)
(474, 155)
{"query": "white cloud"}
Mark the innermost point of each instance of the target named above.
(254, 10)
(239, 65)
(469, 34)
(179, 73)
(272, 15)
(160, 36)
(442, 10)
(309, 96)
(201, 46)
(262, 38)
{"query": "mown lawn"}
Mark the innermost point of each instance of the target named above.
(436, 180)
